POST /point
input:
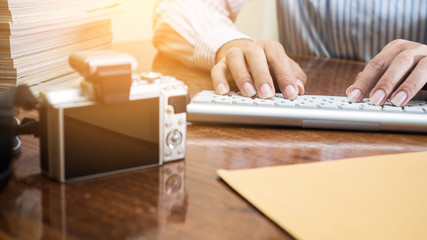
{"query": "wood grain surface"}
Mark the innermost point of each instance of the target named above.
(185, 199)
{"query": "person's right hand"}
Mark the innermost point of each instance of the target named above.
(253, 66)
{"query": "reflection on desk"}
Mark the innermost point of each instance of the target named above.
(164, 200)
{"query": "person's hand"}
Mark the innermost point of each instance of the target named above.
(398, 72)
(253, 66)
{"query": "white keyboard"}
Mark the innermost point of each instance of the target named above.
(307, 111)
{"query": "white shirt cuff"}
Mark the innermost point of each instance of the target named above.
(211, 41)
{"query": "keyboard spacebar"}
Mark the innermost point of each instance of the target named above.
(348, 125)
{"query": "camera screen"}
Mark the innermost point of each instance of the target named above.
(111, 137)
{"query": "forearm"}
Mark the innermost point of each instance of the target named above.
(193, 31)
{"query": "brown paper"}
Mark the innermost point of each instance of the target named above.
(378, 197)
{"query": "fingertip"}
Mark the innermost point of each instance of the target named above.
(301, 88)
(378, 97)
(399, 99)
(290, 92)
(221, 89)
(249, 89)
(266, 91)
(348, 89)
(354, 95)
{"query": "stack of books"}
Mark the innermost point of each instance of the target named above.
(37, 37)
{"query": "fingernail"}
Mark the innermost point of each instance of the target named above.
(301, 87)
(266, 91)
(354, 95)
(221, 89)
(399, 98)
(291, 92)
(378, 97)
(346, 91)
(249, 89)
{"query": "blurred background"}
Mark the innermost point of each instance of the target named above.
(134, 23)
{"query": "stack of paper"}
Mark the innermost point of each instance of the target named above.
(37, 36)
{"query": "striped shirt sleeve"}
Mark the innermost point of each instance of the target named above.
(193, 31)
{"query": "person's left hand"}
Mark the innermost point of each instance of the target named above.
(398, 72)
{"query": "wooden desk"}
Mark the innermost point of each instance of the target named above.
(151, 204)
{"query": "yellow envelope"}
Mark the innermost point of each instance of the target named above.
(378, 197)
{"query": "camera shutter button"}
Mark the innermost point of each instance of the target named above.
(150, 76)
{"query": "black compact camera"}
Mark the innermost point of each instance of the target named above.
(115, 120)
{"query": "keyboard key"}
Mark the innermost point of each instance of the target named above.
(413, 109)
(265, 103)
(350, 107)
(203, 100)
(372, 108)
(392, 109)
(328, 106)
(286, 104)
(223, 101)
(416, 103)
(307, 105)
(243, 102)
